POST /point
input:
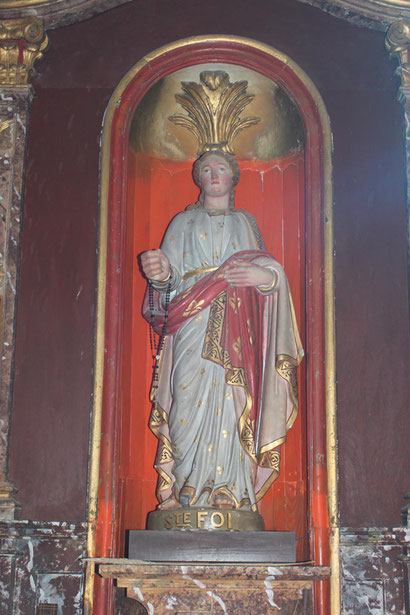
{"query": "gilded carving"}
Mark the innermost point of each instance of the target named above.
(22, 43)
(5, 134)
(372, 13)
(397, 42)
(29, 29)
(398, 37)
(214, 109)
(278, 133)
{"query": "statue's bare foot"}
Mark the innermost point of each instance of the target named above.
(169, 504)
(223, 500)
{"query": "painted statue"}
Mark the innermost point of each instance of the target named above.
(226, 389)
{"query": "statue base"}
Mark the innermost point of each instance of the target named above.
(209, 546)
(211, 519)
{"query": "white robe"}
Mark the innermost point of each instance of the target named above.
(196, 413)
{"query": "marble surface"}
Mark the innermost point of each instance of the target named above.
(41, 564)
(374, 570)
(14, 110)
(216, 589)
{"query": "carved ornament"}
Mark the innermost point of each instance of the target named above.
(373, 14)
(397, 43)
(5, 128)
(57, 13)
(214, 109)
(22, 42)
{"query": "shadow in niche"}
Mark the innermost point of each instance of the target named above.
(127, 606)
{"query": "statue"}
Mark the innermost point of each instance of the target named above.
(224, 389)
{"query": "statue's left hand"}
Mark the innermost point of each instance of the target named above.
(245, 273)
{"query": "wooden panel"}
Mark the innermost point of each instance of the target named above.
(56, 307)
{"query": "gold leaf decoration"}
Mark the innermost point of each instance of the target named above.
(214, 109)
(5, 135)
(193, 308)
(22, 43)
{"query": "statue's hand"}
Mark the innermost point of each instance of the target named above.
(245, 273)
(155, 265)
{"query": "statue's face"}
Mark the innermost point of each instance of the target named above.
(215, 176)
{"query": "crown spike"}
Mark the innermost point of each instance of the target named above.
(214, 109)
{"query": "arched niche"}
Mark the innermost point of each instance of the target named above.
(135, 209)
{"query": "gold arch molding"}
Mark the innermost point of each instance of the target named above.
(329, 322)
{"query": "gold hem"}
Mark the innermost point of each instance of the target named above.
(199, 271)
(266, 485)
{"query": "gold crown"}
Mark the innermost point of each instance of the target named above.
(214, 109)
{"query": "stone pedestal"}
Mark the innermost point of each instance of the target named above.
(216, 589)
(212, 546)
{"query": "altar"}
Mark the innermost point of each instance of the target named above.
(216, 588)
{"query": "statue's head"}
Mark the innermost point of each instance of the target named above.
(232, 164)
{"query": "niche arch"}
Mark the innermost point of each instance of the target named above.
(110, 422)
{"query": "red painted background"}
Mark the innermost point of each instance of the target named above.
(158, 189)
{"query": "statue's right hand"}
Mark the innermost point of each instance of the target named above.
(155, 265)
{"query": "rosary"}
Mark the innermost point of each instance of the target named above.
(157, 347)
